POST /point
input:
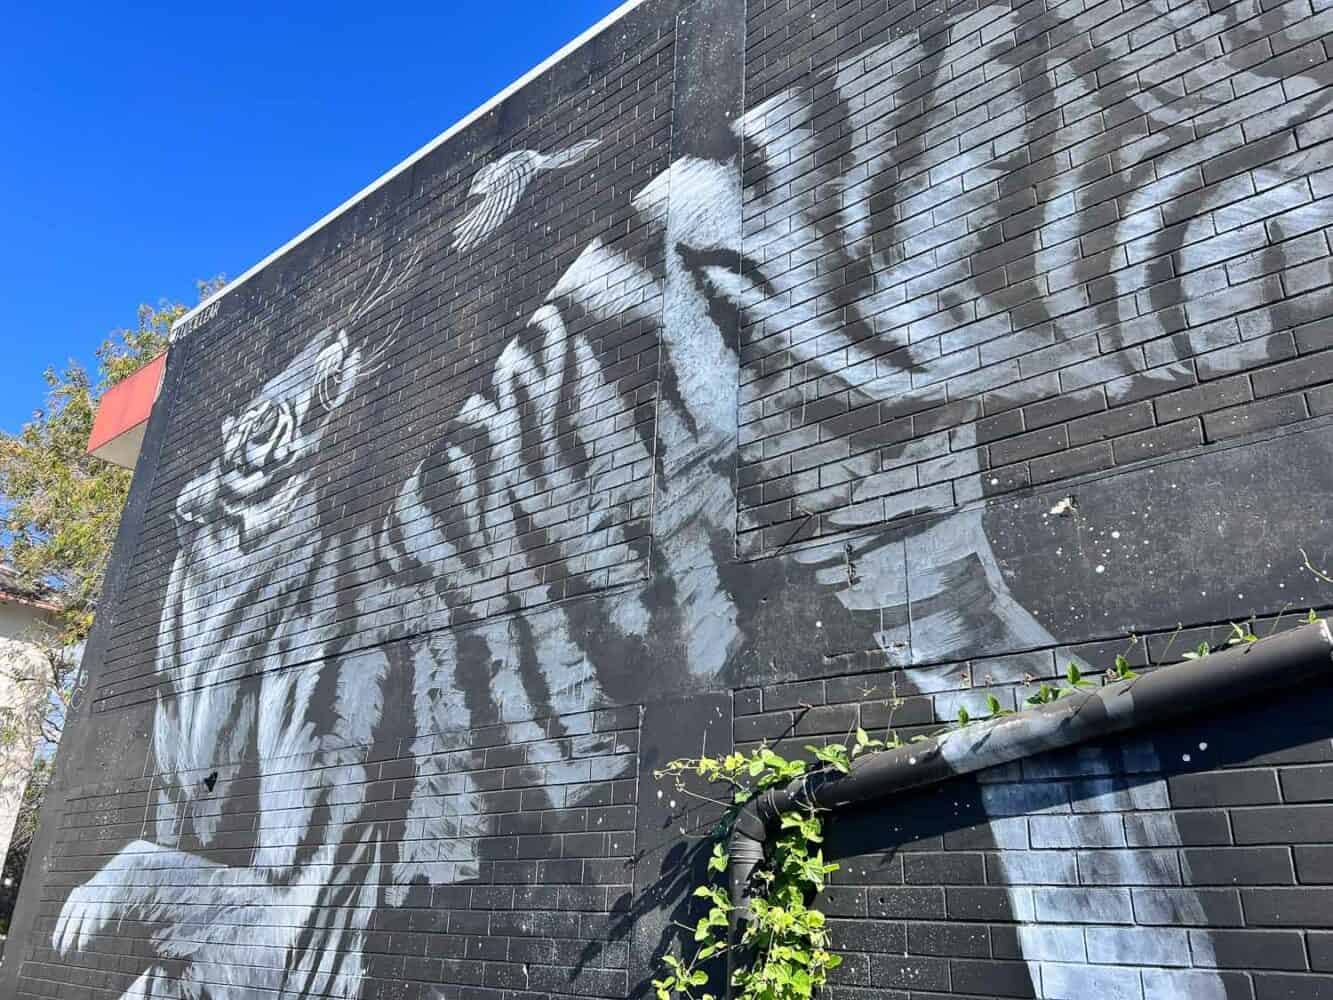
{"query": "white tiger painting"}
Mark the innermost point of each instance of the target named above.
(430, 551)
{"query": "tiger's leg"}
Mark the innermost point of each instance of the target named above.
(313, 840)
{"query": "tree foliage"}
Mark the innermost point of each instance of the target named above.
(62, 506)
(59, 512)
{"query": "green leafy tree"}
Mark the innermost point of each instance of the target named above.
(59, 512)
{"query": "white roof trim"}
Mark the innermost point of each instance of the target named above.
(181, 324)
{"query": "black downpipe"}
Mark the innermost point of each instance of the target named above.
(1243, 672)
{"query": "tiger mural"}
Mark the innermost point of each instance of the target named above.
(714, 283)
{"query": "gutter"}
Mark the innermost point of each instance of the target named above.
(28, 602)
(1239, 673)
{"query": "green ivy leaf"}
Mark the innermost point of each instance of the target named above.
(718, 861)
(1122, 670)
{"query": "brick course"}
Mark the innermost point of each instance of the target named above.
(1044, 269)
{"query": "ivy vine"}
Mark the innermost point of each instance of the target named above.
(786, 947)
(786, 936)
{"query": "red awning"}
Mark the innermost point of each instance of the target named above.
(122, 415)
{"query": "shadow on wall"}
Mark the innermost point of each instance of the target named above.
(1061, 873)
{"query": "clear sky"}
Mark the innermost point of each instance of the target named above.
(144, 146)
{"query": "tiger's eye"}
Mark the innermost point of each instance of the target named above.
(266, 420)
(331, 386)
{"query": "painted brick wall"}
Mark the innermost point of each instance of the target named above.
(1095, 230)
(758, 370)
(469, 315)
(554, 821)
(1229, 829)
(1198, 850)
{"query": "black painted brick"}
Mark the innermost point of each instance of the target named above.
(1225, 788)
(921, 903)
(909, 972)
(1314, 864)
(1158, 441)
(1203, 398)
(1254, 949)
(1113, 423)
(1028, 445)
(1239, 866)
(992, 979)
(944, 869)
(1307, 784)
(1064, 408)
(1295, 907)
(1282, 825)
(1074, 462)
(1302, 372)
(948, 939)
(1261, 415)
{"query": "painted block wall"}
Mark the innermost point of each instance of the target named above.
(753, 369)
(1185, 861)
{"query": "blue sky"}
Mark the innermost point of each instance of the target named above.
(149, 145)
